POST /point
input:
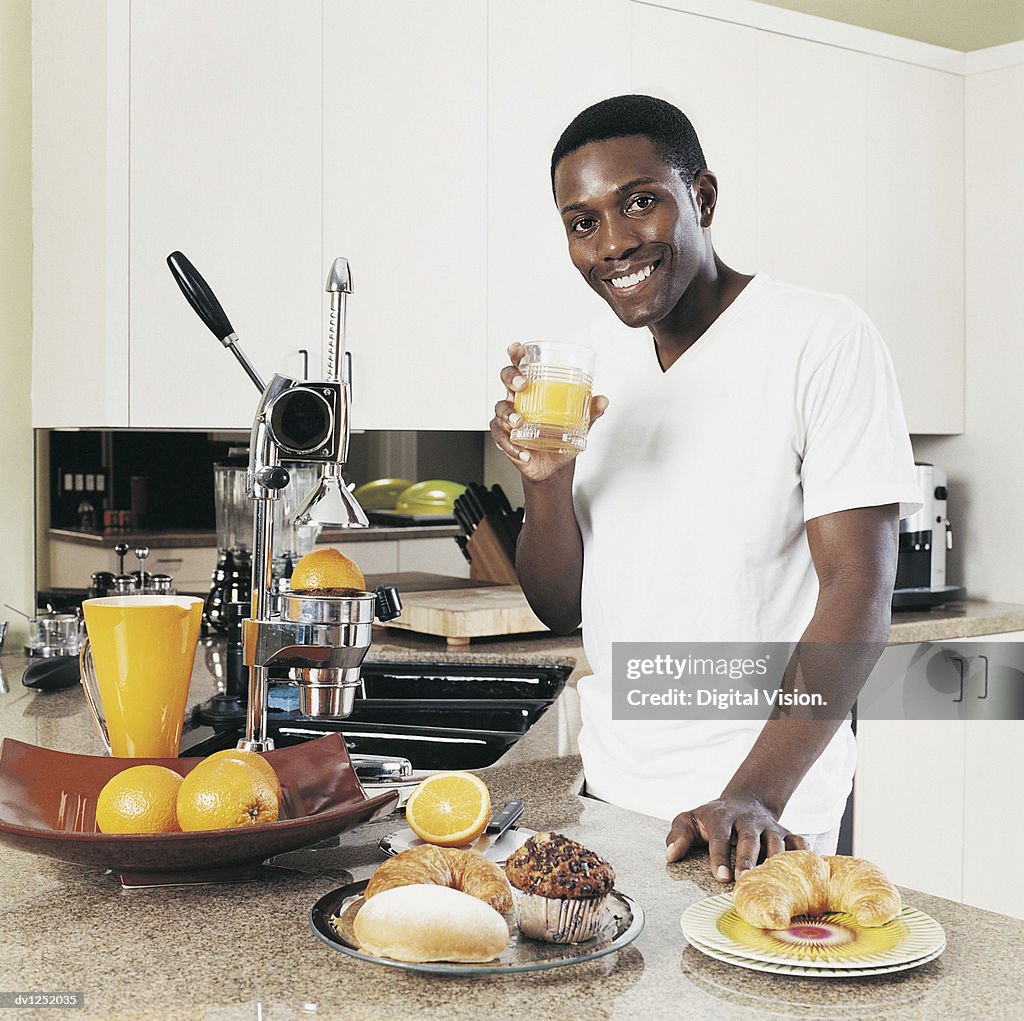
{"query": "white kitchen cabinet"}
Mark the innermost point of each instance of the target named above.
(811, 174)
(934, 803)
(225, 165)
(79, 214)
(908, 805)
(405, 201)
(546, 63)
(187, 126)
(915, 222)
(708, 69)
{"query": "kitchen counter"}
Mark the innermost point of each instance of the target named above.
(163, 538)
(245, 951)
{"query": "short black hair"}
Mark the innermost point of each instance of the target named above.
(674, 138)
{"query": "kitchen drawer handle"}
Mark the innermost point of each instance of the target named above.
(169, 560)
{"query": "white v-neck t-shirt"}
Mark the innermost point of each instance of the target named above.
(691, 498)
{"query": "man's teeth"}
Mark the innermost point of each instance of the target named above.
(633, 278)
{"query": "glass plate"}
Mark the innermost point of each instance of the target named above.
(624, 921)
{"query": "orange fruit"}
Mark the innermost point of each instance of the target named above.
(256, 761)
(326, 568)
(449, 809)
(224, 793)
(139, 799)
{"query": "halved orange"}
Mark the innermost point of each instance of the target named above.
(449, 809)
(326, 568)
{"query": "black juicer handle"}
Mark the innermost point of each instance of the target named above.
(198, 294)
(389, 603)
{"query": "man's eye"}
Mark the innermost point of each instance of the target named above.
(583, 225)
(640, 203)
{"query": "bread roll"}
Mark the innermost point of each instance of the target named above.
(430, 923)
(462, 870)
(804, 883)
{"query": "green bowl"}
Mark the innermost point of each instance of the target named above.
(380, 494)
(435, 496)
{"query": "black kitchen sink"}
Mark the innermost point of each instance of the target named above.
(437, 715)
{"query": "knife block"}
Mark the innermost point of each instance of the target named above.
(493, 553)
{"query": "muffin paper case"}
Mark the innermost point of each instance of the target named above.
(558, 920)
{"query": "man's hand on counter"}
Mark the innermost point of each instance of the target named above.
(730, 820)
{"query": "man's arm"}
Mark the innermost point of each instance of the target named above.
(854, 555)
(549, 552)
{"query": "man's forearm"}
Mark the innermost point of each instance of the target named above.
(837, 653)
(549, 553)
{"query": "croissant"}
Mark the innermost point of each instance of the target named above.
(804, 883)
(444, 866)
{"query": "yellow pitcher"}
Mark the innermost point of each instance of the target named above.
(136, 667)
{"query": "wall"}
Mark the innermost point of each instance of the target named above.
(16, 493)
(986, 463)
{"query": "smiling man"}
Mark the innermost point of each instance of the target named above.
(744, 485)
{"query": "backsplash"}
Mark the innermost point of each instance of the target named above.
(143, 479)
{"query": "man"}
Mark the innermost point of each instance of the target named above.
(745, 485)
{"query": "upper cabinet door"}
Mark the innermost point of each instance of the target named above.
(708, 69)
(546, 62)
(915, 223)
(405, 186)
(225, 166)
(79, 207)
(811, 180)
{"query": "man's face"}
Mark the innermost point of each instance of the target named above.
(632, 226)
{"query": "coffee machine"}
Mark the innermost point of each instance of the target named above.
(925, 538)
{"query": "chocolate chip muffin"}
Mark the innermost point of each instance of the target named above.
(559, 888)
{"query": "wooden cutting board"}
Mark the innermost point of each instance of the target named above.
(461, 614)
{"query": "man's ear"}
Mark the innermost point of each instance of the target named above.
(705, 196)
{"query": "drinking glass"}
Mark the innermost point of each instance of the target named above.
(555, 403)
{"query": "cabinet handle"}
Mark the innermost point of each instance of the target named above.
(170, 560)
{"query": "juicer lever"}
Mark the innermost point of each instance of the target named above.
(202, 299)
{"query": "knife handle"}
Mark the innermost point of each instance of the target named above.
(502, 820)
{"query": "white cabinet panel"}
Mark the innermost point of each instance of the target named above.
(226, 167)
(434, 556)
(79, 200)
(915, 218)
(405, 163)
(908, 809)
(993, 823)
(709, 70)
(538, 80)
(812, 167)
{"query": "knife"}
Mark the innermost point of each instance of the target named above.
(503, 819)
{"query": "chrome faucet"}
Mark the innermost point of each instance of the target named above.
(321, 638)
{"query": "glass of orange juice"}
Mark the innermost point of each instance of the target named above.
(136, 667)
(555, 403)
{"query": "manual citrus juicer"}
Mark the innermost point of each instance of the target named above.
(322, 638)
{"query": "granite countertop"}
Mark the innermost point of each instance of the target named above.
(228, 952)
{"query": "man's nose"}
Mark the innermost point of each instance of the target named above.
(618, 238)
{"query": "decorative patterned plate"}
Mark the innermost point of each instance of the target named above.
(833, 940)
(332, 916)
(809, 971)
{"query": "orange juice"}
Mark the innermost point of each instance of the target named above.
(142, 650)
(555, 408)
